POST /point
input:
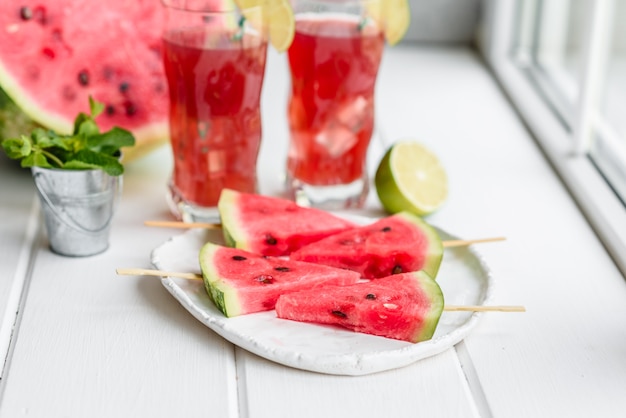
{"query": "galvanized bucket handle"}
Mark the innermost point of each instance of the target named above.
(68, 220)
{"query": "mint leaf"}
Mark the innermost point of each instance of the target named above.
(17, 148)
(87, 159)
(85, 125)
(111, 141)
(48, 139)
(36, 159)
(95, 107)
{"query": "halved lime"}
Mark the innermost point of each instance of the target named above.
(410, 177)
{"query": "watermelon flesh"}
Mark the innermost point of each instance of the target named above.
(239, 282)
(54, 54)
(273, 226)
(396, 244)
(404, 306)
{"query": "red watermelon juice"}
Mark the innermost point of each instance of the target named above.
(334, 61)
(215, 79)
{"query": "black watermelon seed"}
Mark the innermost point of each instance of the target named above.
(339, 314)
(386, 229)
(270, 240)
(124, 86)
(281, 268)
(397, 269)
(26, 13)
(110, 110)
(370, 296)
(239, 258)
(83, 78)
(265, 279)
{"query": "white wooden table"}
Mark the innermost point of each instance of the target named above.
(80, 341)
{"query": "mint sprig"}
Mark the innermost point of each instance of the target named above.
(86, 148)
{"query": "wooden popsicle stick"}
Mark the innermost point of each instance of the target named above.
(483, 308)
(193, 276)
(462, 242)
(177, 224)
(158, 273)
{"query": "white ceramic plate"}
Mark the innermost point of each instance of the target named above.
(464, 278)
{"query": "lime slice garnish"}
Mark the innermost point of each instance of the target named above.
(410, 177)
(394, 16)
(279, 18)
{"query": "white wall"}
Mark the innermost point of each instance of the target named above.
(452, 21)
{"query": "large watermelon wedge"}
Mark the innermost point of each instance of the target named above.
(395, 244)
(273, 226)
(404, 306)
(55, 53)
(239, 282)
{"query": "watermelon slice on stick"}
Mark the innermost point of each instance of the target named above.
(273, 226)
(396, 244)
(240, 282)
(404, 306)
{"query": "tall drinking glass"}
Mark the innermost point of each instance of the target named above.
(214, 63)
(334, 60)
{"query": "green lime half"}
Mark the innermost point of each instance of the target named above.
(410, 177)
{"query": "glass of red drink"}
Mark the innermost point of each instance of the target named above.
(214, 62)
(334, 60)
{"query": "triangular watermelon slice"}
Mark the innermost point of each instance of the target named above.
(273, 226)
(404, 306)
(240, 282)
(396, 244)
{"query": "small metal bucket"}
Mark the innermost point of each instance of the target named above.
(78, 208)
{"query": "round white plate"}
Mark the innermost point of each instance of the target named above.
(464, 278)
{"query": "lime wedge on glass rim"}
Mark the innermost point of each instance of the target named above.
(393, 16)
(411, 178)
(279, 18)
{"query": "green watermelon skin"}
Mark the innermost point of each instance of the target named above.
(239, 282)
(404, 306)
(396, 244)
(54, 54)
(273, 226)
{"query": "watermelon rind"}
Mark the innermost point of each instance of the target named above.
(13, 122)
(227, 207)
(435, 245)
(223, 296)
(431, 319)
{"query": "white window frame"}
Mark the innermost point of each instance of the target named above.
(564, 148)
